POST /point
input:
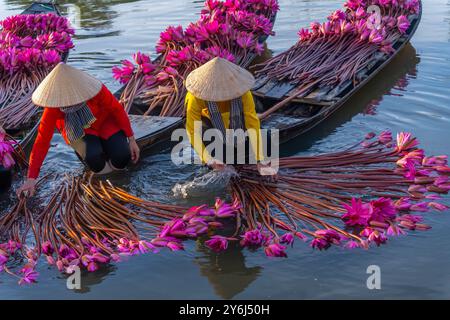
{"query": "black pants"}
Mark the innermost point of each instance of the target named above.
(94, 151)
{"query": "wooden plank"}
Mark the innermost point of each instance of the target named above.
(267, 86)
(281, 121)
(144, 126)
(259, 83)
(280, 90)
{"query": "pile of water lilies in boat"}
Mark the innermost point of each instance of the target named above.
(334, 52)
(30, 46)
(11, 154)
(354, 198)
(230, 29)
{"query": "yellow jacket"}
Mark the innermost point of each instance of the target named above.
(196, 108)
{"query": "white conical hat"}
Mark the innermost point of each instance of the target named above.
(219, 80)
(66, 86)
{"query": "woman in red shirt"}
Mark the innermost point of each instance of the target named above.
(90, 119)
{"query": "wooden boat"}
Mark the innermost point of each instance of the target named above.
(26, 135)
(303, 114)
(153, 131)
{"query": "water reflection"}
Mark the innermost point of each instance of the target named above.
(227, 272)
(94, 14)
(92, 279)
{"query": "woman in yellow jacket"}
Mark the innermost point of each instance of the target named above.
(219, 93)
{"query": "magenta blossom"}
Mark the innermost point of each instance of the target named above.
(383, 209)
(325, 238)
(275, 250)
(217, 243)
(358, 213)
(405, 141)
(287, 238)
(224, 210)
(29, 275)
(403, 24)
(252, 238)
(352, 244)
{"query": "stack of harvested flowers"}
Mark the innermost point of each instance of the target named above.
(30, 46)
(335, 52)
(352, 198)
(230, 29)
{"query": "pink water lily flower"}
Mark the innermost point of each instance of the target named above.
(352, 244)
(403, 204)
(217, 243)
(393, 230)
(354, 4)
(437, 206)
(325, 238)
(405, 141)
(252, 238)
(358, 213)
(287, 238)
(378, 237)
(403, 23)
(383, 209)
(29, 275)
(275, 250)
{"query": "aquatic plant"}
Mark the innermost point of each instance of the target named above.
(30, 46)
(355, 198)
(339, 51)
(229, 29)
(6, 152)
(11, 154)
(87, 223)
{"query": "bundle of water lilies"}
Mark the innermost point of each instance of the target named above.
(337, 51)
(354, 198)
(11, 154)
(87, 223)
(230, 29)
(30, 46)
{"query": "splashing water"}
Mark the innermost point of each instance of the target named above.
(212, 181)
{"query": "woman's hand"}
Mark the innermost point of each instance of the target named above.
(266, 170)
(28, 189)
(216, 164)
(134, 149)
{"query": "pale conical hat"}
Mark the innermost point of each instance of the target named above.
(219, 80)
(66, 86)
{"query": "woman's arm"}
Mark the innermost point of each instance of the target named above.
(42, 144)
(194, 115)
(253, 125)
(40, 150)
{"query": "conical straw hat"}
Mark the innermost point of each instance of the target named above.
(66, 86)
(219, 80)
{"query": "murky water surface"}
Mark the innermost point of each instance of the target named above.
(413, 93)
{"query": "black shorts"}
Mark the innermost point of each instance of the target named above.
(94, 151)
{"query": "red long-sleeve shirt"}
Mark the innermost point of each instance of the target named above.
(110, 118)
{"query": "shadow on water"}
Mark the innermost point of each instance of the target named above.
(394, 76)
(227, 272)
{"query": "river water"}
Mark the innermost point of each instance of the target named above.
(412, 94)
